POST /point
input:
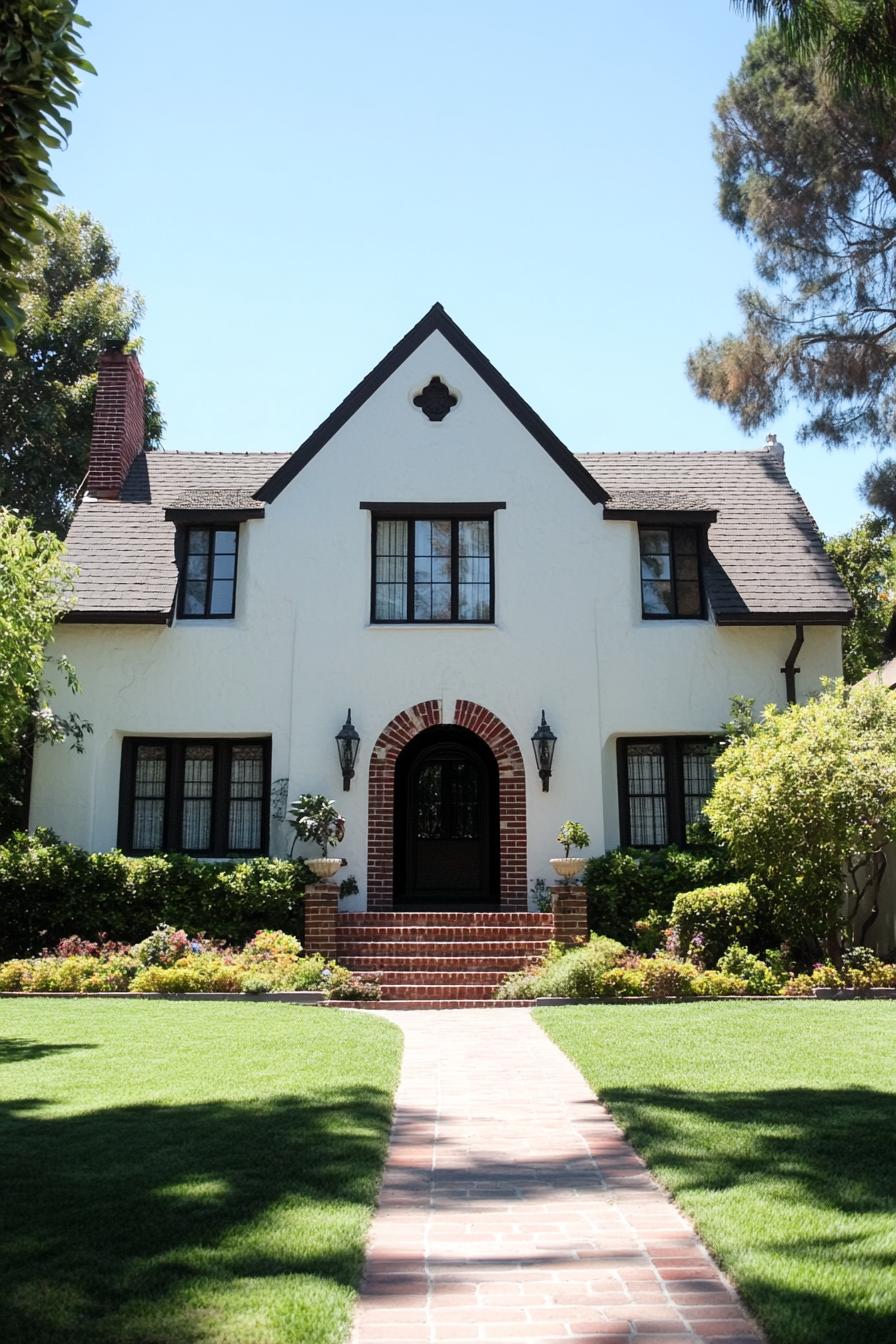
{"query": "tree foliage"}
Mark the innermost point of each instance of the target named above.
(865, 559)
(35, 588)
(810, 180)
(855, 40)
(807, 802)
(73, 303)
(40, 57)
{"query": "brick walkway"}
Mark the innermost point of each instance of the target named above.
(512, 1208)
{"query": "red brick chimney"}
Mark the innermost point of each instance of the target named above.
(119, 421)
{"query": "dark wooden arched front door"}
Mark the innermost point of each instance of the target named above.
(446, 836)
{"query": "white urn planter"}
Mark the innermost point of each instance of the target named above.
(323, 869)
(567, 868)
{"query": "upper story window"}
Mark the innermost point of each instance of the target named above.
(670, 572)
(663, 784)
(430, 569)
(208, 584)
(201, 797)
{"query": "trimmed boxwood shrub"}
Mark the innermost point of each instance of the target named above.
(624, 885)
(709, 919)
(48, 888)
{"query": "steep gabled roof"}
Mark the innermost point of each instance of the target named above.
(766, 563)
(435, 320)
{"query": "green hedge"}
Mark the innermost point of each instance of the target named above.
(624, 885)
(49, 890)
(709, 919)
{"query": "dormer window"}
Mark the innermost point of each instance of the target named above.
(208, 584)
(670, 573)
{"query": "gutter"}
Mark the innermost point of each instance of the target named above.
(790, 669)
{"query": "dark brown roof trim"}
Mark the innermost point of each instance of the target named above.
(187, 515)
(81, 616)
(435, 320)
(438, 509)
(695, 518)
(784, 617)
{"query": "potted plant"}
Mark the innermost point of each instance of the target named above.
(316, 820)
(571, 836)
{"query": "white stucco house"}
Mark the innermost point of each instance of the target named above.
(434, 558)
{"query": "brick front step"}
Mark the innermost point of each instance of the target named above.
(499, 964)
(437, 990)
(469, 951)
(403, 1005)
(426, 918)
(438, 959)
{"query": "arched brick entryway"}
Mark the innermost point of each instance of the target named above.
(511, 797)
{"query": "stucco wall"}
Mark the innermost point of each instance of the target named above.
(568, 634)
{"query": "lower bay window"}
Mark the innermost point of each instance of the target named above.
(663, 784)
(205, 796)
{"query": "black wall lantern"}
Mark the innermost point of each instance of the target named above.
(348, 742)
(544, 741)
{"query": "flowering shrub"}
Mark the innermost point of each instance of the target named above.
(343, 985)
(271, 945)
(171, 962)
(664, 977)
(163, 947)
(760, 978)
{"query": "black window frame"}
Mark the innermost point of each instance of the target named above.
(172, 825)
(411, 519)
(183, 546)
(699, 534)
(674, 751)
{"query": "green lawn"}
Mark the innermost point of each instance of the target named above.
(774, 1125)
(187, 1173)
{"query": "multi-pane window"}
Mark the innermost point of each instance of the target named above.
(670, 572)
(208, 582)
(663, 784)
(208, 797)
(433, 569)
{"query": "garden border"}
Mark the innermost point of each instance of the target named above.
(822, 993)
(310, 997)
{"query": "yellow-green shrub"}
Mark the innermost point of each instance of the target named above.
(622, 983)
(15, 976)
(204, 973)
(713, 984)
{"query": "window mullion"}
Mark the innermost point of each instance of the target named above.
(210, 569)
(455, 569)
(412, 523)
(221, 798)
(174, 795)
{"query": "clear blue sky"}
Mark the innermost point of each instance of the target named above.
(292, 184)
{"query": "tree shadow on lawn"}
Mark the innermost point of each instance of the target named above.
(813, 1157)
(836, 1147)
(16, 1049)
(131, 1223)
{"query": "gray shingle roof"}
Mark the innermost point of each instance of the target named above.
(221, 499)
(657, 501)
(766, 559)
(124, 548)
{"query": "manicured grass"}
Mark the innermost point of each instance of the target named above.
(774, 1125)
(187, 1173)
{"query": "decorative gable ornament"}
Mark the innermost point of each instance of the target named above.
(436, 400)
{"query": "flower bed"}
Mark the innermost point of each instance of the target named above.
(169, 961)
(604, 969)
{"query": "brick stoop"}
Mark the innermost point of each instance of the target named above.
(435, 959)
